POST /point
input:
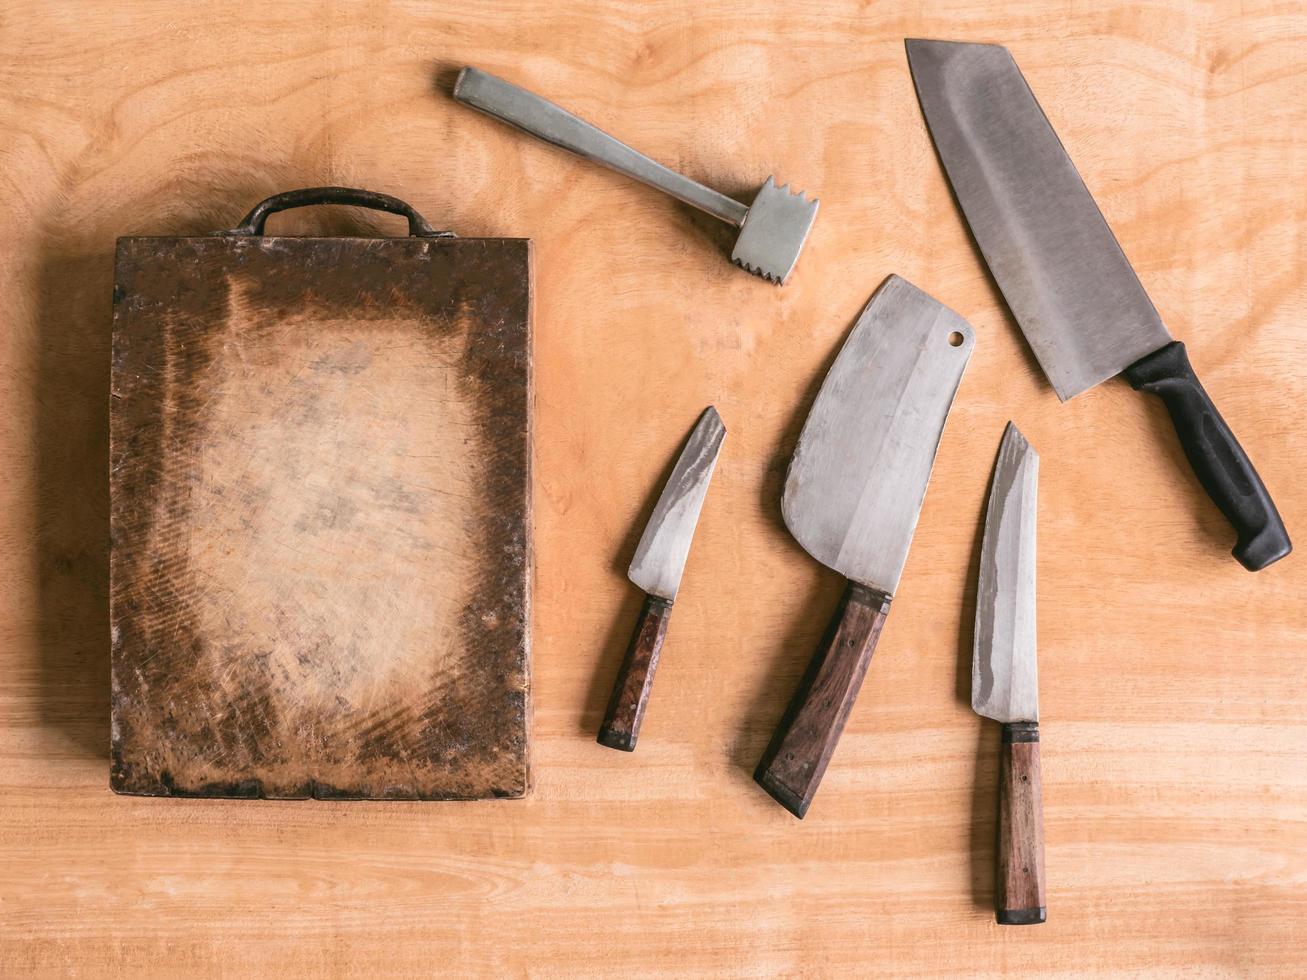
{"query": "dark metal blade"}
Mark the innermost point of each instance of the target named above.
(1059, 266)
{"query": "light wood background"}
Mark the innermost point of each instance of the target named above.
(1173, 683)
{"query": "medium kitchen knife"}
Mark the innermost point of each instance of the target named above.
(1064, 276)
(657, 567)
(852, 496)
(1004, 676)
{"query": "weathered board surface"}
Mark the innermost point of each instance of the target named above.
(320, 562)
(1172, 685)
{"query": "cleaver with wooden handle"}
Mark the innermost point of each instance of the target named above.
(1064, 276)
(852, 495)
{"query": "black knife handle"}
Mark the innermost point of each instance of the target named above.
(1219, 462)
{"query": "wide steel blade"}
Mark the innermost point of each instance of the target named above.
(1004, 676)
(664, 546)
(1059, 266)
(859, 472)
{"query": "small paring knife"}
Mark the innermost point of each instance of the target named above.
(657, 567)
(772, 229)
(852, 496)
(1064, 276)
(1005, 676)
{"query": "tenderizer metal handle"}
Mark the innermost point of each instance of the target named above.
(553, 124)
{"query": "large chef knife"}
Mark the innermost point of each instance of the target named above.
(659, 561)
(852, 495)
(1063, 274)
(1004, 678)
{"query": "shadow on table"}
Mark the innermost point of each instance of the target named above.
(984, 786)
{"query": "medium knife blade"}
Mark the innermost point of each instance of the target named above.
(1004, 674)
(859, 473)
(665, 544)
(1063, 274)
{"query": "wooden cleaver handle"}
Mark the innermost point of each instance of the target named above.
(792, 767)
(621, 725)
(1020, 896)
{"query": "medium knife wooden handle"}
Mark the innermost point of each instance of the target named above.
(1219, 462)
(621, 725)
(792, 767)
(1020, 894)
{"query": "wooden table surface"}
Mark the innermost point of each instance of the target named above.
(1173, 688)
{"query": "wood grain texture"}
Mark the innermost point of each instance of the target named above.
(320, 562)
(803, 743)
(622, 720)
(1020, 898)
(1172, 688)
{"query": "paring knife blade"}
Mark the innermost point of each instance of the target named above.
(657, 568)
(1063, 274)
(852, 497)
(660, 556)
(1004, 675)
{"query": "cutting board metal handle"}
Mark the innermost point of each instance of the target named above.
(252, 223)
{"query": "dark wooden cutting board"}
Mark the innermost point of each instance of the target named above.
(321, 558)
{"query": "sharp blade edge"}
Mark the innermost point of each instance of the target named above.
(859, 472)
(1004, 670)
(1061, 270)
(660, 556)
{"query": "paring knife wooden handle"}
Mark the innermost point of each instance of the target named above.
(792, 767)
(1217, 459)
(1020, 896)
(621, 725)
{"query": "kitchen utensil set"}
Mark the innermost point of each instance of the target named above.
(859, 472)
(851, 499)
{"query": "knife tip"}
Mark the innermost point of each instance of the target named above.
(1015, 443)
